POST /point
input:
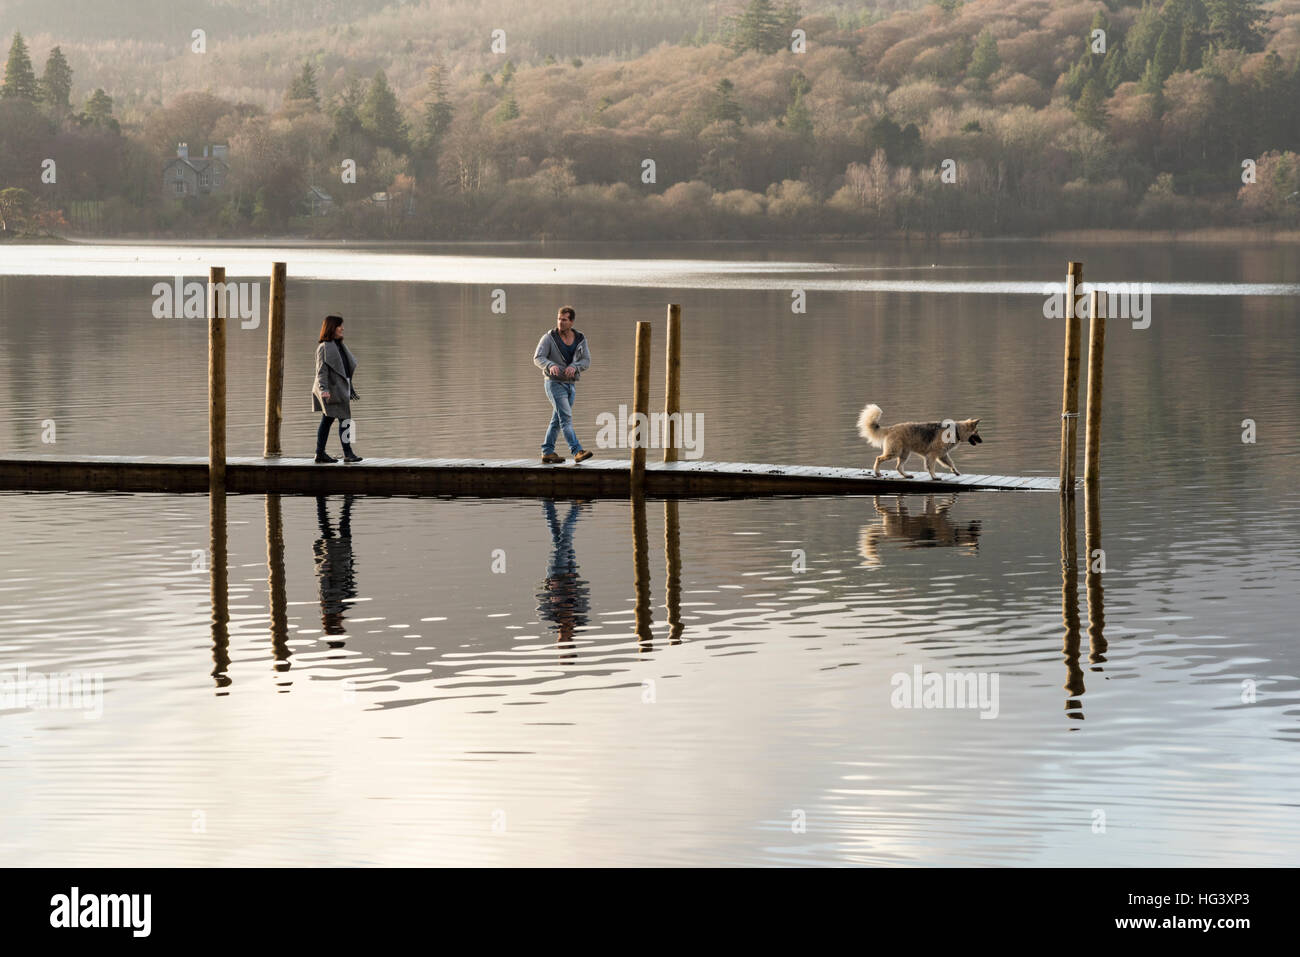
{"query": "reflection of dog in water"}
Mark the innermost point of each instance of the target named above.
(933, 441)
(932, 528)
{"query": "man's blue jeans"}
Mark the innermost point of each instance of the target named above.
(561, 395)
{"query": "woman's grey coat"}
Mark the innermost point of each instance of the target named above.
(331, 378)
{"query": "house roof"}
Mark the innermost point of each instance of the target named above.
(198, 164)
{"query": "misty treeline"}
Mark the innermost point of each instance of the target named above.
(979, 118)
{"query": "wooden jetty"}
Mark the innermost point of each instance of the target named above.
(608, 477)
(595, 478)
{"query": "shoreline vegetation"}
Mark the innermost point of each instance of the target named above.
(1160, 120)
(1210, 235)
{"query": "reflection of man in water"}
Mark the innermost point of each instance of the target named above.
(334, 567)
(563, 600)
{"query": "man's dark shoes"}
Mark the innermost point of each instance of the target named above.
(583, 456)
(322, 458)
(550, 458)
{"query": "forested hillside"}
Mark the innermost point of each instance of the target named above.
(622, 120)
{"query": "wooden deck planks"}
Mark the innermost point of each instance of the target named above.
(528, 477)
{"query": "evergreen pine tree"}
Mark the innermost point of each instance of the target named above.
(1076, 78)
(759, 28)
(1236, 24)
(437, 110)
(1269, 96)
(303, 87)
(98, 111)
(725, 109)
(56, 84)
(20, 80)
(1099, 22)
(1091, 108)
(346, 113)
(984, 62)
(1112, 68)
(798, 118)
(1166, 58)
(380, 116)
(1140, 41)
(1151, 83)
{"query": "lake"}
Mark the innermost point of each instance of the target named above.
(402, 681)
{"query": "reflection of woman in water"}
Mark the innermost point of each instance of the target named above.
(334, 567)
(564, 599)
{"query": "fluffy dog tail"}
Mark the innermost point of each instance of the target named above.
(869, 425)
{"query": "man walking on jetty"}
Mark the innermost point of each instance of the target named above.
(562, 355)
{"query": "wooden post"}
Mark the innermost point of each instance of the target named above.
(1093, 569)
(1070, 600)
(219, 585)
(641, 573)
(1070, 394)
(275, 583)
(673, 385)
(641, 406)
(274, 362)
(673, 570)
(1096, 355)
(216, 378)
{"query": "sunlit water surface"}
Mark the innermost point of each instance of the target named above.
(457, 681)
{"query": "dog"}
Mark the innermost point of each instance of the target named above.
(932, 440)
(932, 528)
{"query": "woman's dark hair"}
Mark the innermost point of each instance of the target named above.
(328, 327)
(569, 310)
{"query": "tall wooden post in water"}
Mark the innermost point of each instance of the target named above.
(641, 581)
(274, 362)
(1094, 568)
(673, 568)
(217, 378)
(1070, 395)
(641, 407)
(1070, 600)
(673, 385)
(1096, 355)
(219, 584)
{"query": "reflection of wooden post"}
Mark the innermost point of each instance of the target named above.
(641, 550)
(1092, 571)
(673, 572)
(1070, 599)
(1096, 354)
(641, 406)
(219, 586)
(1070, 395)
(275, 583)
(216, 378)
(274, 362)
(673, 385)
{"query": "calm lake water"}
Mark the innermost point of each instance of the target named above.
(511, 681)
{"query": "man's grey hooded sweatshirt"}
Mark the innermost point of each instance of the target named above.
(548, 354)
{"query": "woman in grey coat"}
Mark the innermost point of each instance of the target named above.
(331, 390)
